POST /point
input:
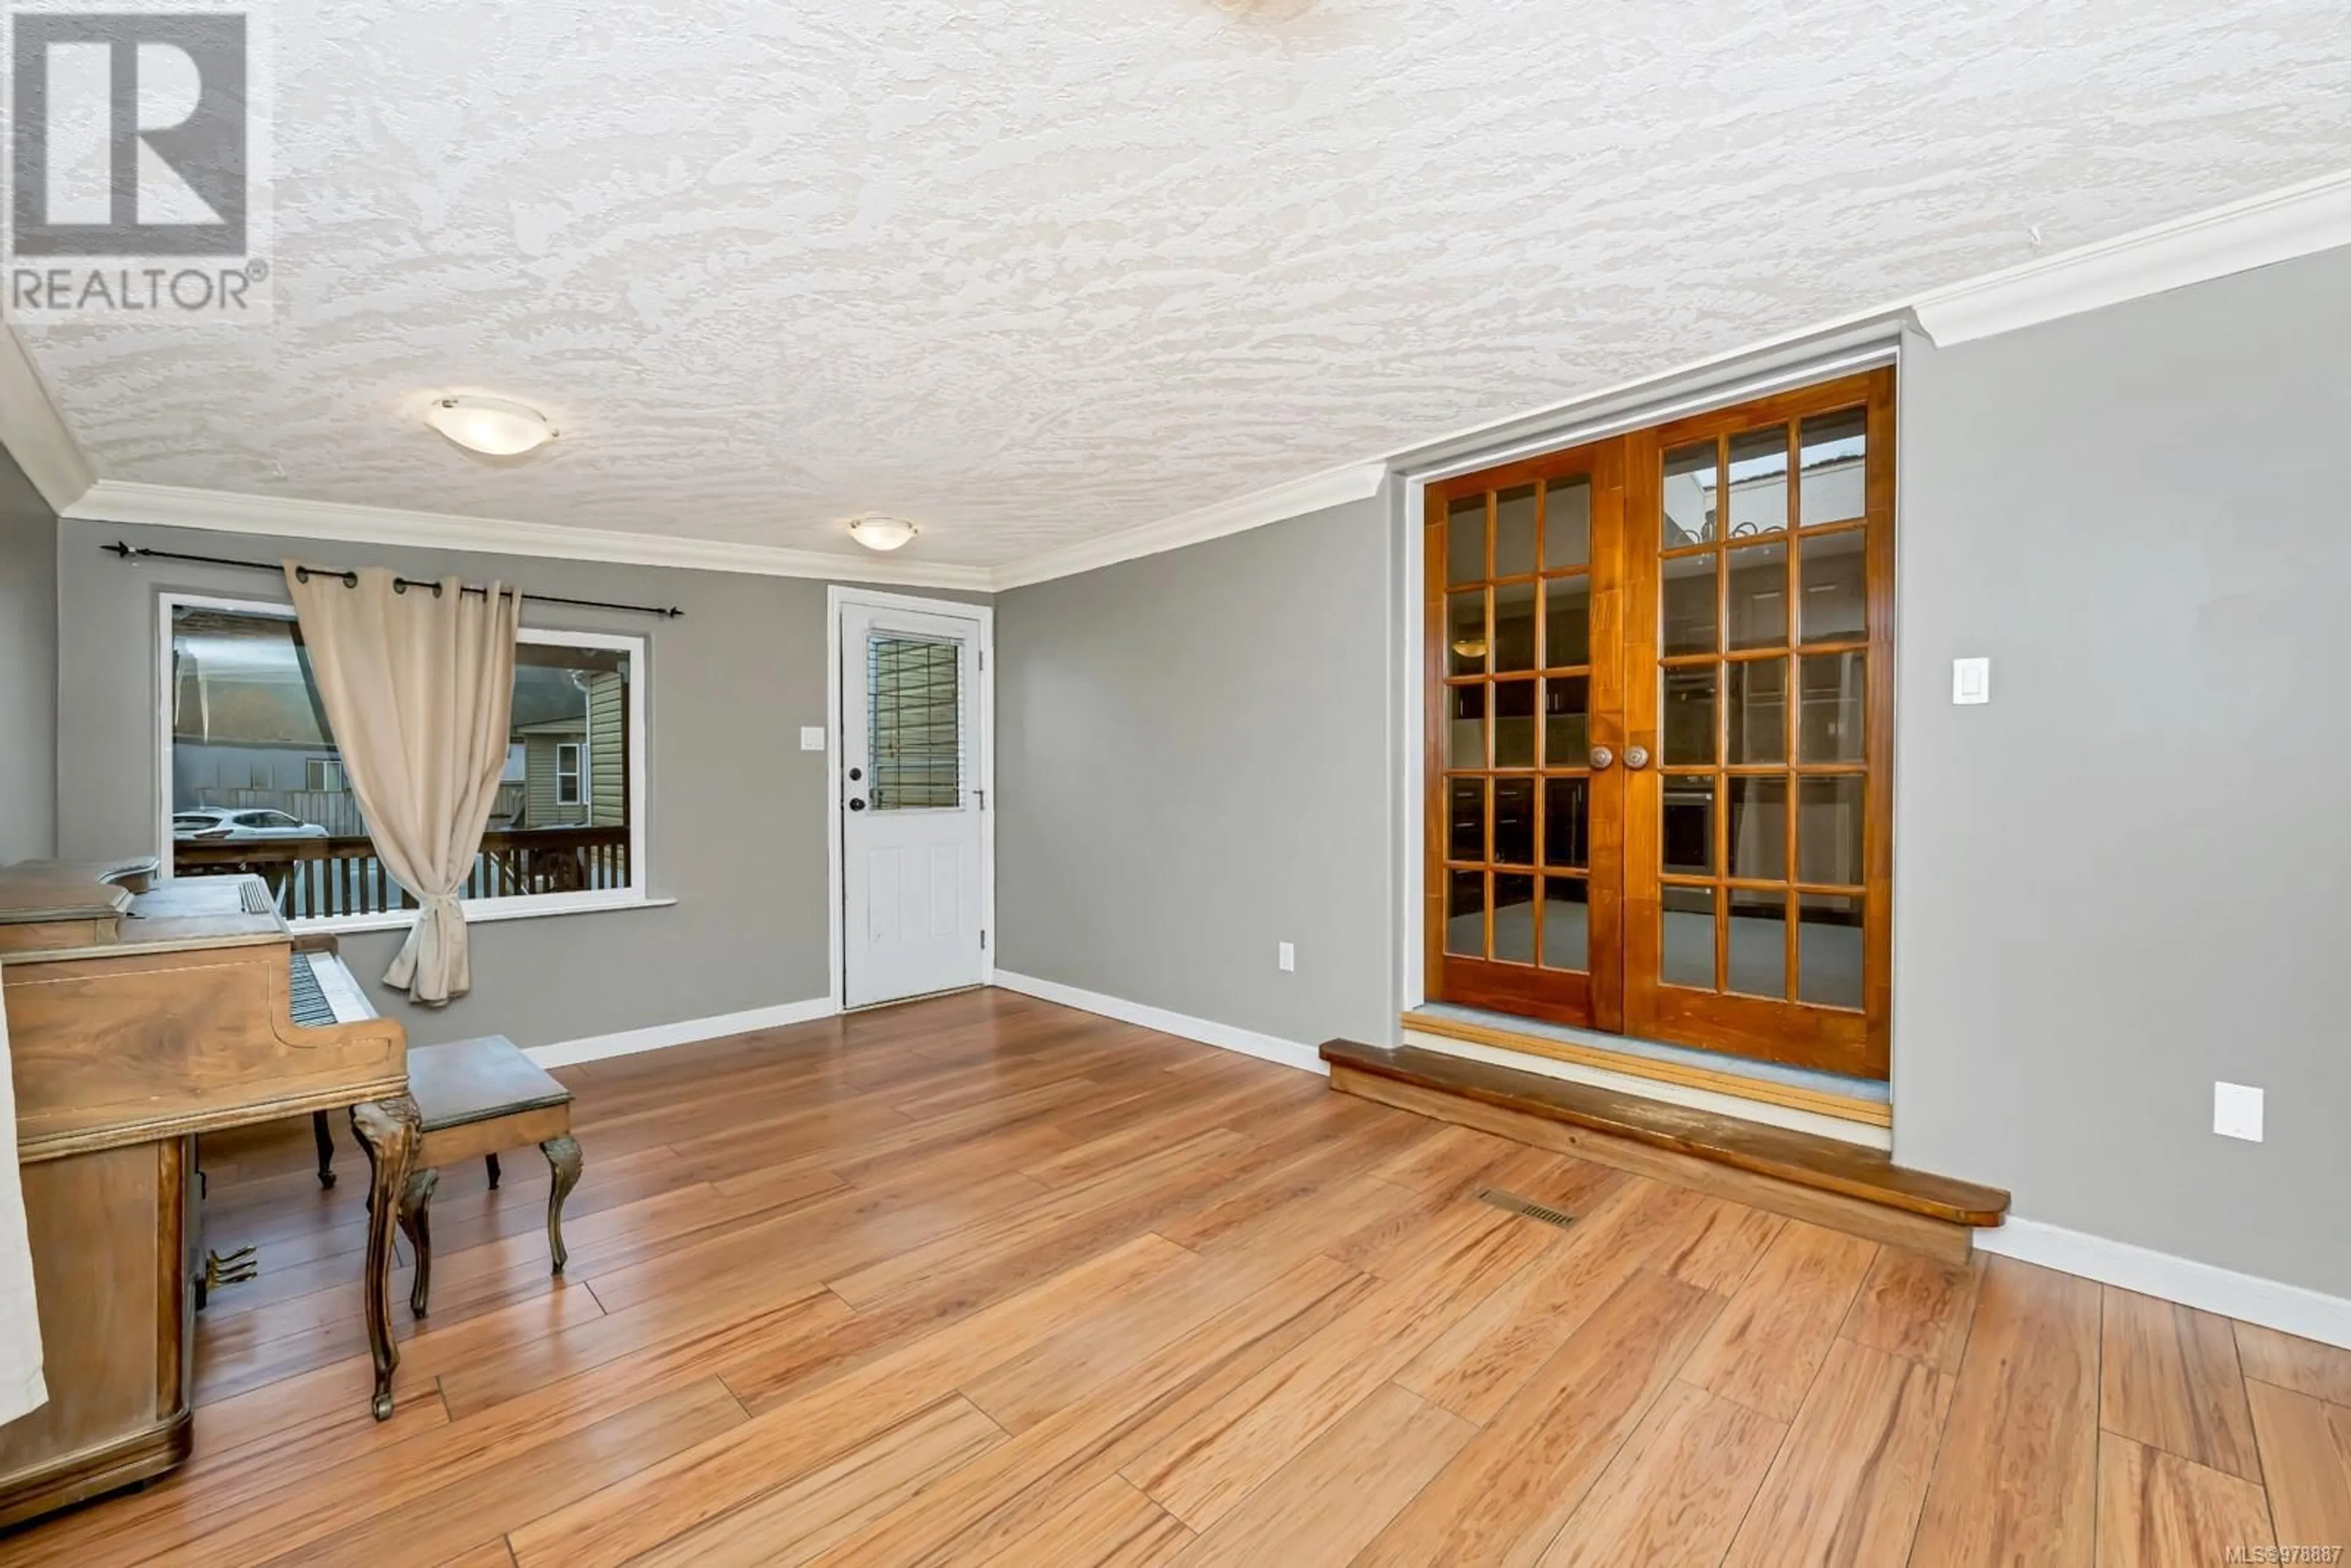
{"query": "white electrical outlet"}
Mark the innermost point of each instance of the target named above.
(812, 738)
(1287, 956)
(1971, 681)
(2237, 1112)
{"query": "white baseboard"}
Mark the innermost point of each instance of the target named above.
(2289, 1309)
(628, 1042)
(1223, 1036)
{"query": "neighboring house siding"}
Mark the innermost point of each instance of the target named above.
(539, 808)
(608, 750)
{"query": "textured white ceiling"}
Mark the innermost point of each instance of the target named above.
(1030, 271)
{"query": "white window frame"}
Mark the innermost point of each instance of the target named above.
(327, 771)
(637, 894)
(577, 773)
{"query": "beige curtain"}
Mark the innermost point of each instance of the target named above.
(417, 686)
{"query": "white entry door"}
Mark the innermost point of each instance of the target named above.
(911, 799)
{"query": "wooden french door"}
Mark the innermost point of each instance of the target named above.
(1525, 613)
(1660, 731)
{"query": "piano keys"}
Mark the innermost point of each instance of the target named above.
(324, 993)
(141, 1016)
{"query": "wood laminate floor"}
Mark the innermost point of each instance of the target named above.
(981, 1280)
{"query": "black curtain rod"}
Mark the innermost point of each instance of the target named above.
(122, 551)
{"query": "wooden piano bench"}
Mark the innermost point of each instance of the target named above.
(477, 1097)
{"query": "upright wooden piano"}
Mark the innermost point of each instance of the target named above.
(141, 1016)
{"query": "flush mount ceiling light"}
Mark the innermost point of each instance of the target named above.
(489, 425)
(880, 533)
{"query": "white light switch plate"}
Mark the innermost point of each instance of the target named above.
(2237, 1112)
(1287, 956)
(1971, 681)
(812, 738)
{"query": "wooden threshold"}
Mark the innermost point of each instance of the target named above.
(1814, 1179)
(1767, 1091)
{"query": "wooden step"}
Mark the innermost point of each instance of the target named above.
(1682, 1073)
(1820, 1179)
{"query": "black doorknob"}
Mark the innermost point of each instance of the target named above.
(857, 805)
(855, 774)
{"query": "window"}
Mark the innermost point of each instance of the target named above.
(567, 773)
(254, 782)
(916, 717)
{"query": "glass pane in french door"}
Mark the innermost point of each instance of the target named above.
(1514, 919)
(1465, 913)
(1567, 923)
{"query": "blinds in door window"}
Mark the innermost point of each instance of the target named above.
(917, 705)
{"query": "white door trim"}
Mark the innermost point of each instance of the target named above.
(836, 598)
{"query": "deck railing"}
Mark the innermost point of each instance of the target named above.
(320, 878)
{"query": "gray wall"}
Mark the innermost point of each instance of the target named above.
(737, 833)
(2125, 877)
(1192, 757)
(28, 669)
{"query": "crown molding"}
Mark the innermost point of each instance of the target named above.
(2279, 225)
(222, 511)
(34, 435)
(1793, 360)
(286, 516)
(1292, 498)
